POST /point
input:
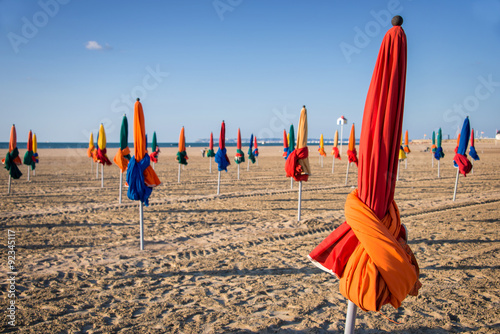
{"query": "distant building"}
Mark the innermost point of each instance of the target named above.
(497, 137)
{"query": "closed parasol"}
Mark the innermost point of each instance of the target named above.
(141, 177)
(122, 156)
(368, 252)
(155, 150)
(285, 144)
(28, 159)
(12, 158)
(297, 164)
(221, 156)
(460, 160)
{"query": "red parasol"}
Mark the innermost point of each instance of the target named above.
(368, 252)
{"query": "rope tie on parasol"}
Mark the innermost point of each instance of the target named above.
(336, 153)
(473, 153)
(102, 157)
(352, 156)
(182, 158)
(122, 158)
(439, 153)
(382, 268)
(292, 166)
(137, 188)
(463, 164)
(11, 164)
(222, 160)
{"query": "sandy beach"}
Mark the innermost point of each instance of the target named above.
(237, 263)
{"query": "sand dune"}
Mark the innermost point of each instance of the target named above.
(237, 263)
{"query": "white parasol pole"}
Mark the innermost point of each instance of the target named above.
(218, 184)
(141, 227)
(153, 166)
(397, 177)
(8, 189)
(28, 173)
(91, 166)
(210, 165)
(257, 160)
(248, 165)
(350, 320)
(406, 162)
(179, 175)
(347, 173)
(291, 183)
(456, 184)
(438, 168)
(432, 158)
(321, 161)
(238, 171)
(102, 176)
(472, 162)
(121, 187)
(96, 171)
(341, 135)
(300, 200)
(333, 164)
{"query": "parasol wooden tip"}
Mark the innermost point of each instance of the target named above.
(397, 20)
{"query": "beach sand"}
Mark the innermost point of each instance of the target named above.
(237, 263)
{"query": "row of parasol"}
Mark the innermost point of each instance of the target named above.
(369, 252)
(12, 159)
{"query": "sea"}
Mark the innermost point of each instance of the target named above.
(229, 143)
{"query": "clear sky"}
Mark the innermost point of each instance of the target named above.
(68, 65)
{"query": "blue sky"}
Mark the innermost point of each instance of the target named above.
(69, 65)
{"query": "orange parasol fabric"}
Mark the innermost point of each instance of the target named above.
(181, 154)
(458, 143)
(321, 148)
(297, 163)
(368, 252)
(406, 148)
(91, 149)
(335, 149)
(351, 149)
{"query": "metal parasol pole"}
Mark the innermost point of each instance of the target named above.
(300, 200)
(102, 176)
(179, 175)
(218, 184)
(141, 227)
(347, 173)
(341, 136)
(456, 184)
(8, 189)
(350, 320)
(121, 186)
